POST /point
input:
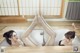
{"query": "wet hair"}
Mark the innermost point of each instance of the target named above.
(60, 43)
(70, 35)
(8, 35)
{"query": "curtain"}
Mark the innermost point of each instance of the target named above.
(73, 11)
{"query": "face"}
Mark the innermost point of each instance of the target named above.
(68, 37)
(14, 36)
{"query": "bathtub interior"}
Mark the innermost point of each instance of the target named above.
(39, 35)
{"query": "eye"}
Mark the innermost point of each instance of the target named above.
(14, 35)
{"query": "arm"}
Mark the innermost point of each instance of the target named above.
(48, 29)
(25, 37)
(74, 26)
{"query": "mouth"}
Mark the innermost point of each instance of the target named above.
(16, 38)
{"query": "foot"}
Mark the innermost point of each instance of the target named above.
(35, 20)
(39, 19)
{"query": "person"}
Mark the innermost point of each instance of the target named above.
(68, 37)
(12, 39)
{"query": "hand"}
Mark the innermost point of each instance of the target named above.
(73, 24)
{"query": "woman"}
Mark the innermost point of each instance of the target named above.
(12, 39)
(67, 39)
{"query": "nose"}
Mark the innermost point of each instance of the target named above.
(16, 37)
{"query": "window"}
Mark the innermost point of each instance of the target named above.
(29, 7)
(8, 7)
(51, 8)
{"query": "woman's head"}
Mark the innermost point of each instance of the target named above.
(10, 35)
(70, 35)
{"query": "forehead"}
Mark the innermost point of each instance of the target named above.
(14, 33)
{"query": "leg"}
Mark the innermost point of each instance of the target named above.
(48, 29)
(25, 38)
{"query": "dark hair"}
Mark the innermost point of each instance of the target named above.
(8, 35)
(70, 34)
(60, 43)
